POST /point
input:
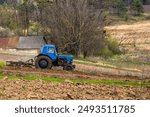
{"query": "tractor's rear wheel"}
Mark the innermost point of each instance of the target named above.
(43, 62)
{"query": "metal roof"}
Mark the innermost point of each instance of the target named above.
(30, 42)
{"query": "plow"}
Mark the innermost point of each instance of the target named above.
(28, 63)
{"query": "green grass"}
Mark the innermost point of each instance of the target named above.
(49, 79)
(1, 77)
(106, 82)
(112, 82)
(2, 64)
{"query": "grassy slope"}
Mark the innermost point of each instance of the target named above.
(110, 64)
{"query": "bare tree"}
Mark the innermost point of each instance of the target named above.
(77, 27)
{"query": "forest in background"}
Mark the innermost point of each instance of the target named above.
(75, 26)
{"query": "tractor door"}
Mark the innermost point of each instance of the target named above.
(51, 52)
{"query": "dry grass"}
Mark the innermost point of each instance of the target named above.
(138, 32)
(134, 39)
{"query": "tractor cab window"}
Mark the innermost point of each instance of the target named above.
(51, 50)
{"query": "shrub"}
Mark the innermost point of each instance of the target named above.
(121, 8)
(111, 47)
(5, 32)
(106, 53)
(136, 7)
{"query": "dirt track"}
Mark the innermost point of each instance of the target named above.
(81, 68)
(25, 71)
(23, 89)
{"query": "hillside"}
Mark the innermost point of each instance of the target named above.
(133, 38)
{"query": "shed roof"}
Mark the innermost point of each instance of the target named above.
(30, 42)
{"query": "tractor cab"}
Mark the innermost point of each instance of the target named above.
(49, 50)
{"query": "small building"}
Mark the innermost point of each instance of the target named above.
(3, 43)
(30, 42)
(27, 46)
(8, 43)
(22, 43)
(12, 43)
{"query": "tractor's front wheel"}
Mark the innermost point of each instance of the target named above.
(43, 62)
(68, 67)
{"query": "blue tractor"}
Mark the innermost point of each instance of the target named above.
(49, 57)
(46, 59)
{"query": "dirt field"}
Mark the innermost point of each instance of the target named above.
(23, 89)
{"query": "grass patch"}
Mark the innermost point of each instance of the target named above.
(2, 64)
(98, 64)
(50, 79)
(84, 59)
(1, 77)
(113, 82)
(105, 82)
(107, 64)
(116, 20)
(137, 63)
